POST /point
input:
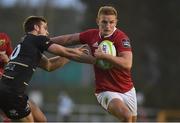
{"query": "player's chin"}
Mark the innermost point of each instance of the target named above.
(107, 32)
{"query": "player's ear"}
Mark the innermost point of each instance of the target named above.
(36, 27)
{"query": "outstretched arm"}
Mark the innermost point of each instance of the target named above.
(76, 54)
(52, 63)
(69, 39)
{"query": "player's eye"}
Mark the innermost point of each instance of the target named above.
(111, 22)
(104, 22)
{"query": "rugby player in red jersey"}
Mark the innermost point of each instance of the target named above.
(5, 50)
(114, 87)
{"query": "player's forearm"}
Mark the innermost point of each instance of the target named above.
(57, 62)
(50, 64)
(69, 39)
(78, 56)
(84, 58)
(119, 62)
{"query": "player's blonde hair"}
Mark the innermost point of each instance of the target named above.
(107, 10)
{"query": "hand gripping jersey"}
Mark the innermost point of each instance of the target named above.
(23, 62)
(117, 80)
(5, 46)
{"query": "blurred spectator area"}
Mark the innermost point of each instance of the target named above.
(95, 113)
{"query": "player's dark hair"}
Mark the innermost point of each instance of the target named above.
(107, 10)
(30, 21)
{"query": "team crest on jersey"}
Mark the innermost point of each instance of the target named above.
(2, 41)
(126, 43)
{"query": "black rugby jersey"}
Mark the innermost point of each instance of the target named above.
(23, 61)
(29, 50)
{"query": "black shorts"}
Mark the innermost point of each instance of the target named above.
(14, 106)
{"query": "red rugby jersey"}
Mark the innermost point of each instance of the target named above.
(5, 46)
(117, 80)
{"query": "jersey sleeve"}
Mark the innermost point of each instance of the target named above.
(86, 36)
(43, 43)
(83, 37)
(122, 43)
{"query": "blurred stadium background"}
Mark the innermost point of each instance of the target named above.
(152, 25)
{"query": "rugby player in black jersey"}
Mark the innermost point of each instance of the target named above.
(24, 60)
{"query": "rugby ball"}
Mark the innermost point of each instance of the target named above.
(108, 48)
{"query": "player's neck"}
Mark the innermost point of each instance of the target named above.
(106, 36)
(33, 33)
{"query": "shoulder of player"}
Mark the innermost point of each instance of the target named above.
(119, 35)
(33, 39)
(92, 30)
(120, 32)
(40, 37)
(89, 33)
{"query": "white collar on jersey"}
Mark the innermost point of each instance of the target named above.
(109, 34)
